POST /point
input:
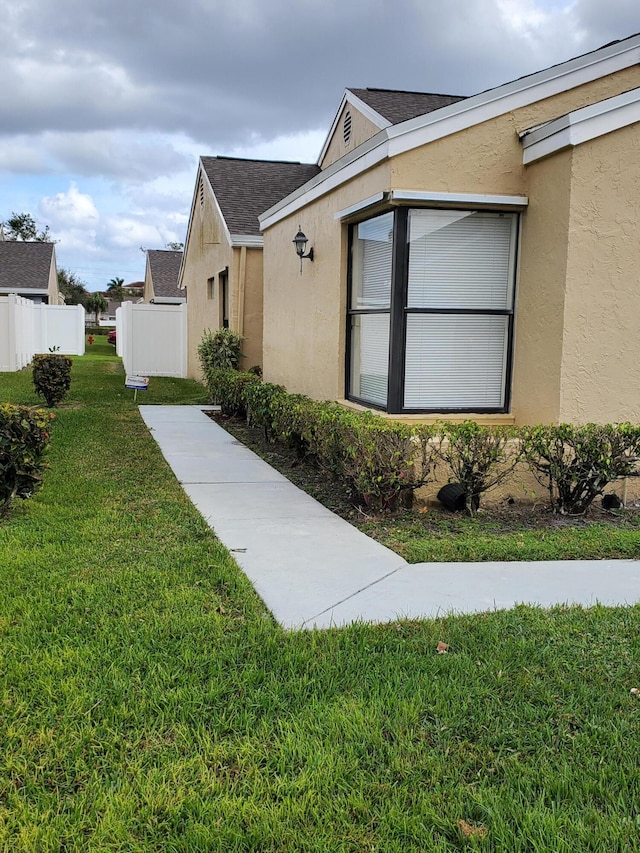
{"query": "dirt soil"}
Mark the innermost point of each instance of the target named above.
(506, 517)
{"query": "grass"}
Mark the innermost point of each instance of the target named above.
(150, 703)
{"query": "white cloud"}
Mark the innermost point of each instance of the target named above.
(70, 209)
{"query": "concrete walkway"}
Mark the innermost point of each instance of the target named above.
(313, 569)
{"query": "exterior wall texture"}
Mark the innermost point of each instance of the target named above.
(361, 130)
(305, 316)
(208, 253)
(601, 352)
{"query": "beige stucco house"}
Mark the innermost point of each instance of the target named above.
(161, 278)
(222, 264)
(29, 269)
(473, 257)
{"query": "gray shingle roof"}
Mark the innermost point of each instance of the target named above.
(164, 266)
(25, 266)
(246, 188)
(397, 106)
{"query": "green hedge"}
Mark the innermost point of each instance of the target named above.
(24, 438)
(384, 461)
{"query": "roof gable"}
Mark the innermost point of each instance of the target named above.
(246, 188)
(24, 265)
(164, 267)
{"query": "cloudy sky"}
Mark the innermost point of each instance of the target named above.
(105, 105)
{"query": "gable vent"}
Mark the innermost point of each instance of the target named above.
(201, 192)
(346, 127)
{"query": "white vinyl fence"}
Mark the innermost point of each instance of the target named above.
(152, 339)
(27, 328)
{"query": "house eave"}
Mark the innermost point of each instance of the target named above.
(249, 241)
(414, 133)
(581, 126)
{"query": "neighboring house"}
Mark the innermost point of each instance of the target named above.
(222, 263)
(473, 257)
(29, 270)
(161, 277)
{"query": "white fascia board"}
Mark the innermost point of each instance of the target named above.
(362, 158)
(24, 291)
(360, 205)
(188, 237)
(464, 114)
(365, 109)
(250, 241)
(581, 126)
(473, 199)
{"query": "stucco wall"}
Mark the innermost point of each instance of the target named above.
(52, 286)
(361, 130)
(304, 327)
(206, 253)
(601, 354)
(539, 316)
(251, 324)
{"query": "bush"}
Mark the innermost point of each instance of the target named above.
(227, 388)
(24, 437)
(52, 377)
(381, 461)
(576, 463)
(220, 350)
(479, 457)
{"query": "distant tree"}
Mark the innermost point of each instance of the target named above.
(22, 227)
(175, 247)
(96, 303)
(73, 290)
(116, 290)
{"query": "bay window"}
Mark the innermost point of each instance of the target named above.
(431, 310)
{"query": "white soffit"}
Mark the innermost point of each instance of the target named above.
(360, 205)
(460, 198)
(459, 116)
(581, 126)
(250, 241)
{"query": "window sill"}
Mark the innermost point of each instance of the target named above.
(500, 419)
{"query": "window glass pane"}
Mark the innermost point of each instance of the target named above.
(370, 357)
(371, 269)
(455, 361)
(461, 259)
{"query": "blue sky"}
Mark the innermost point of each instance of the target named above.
(107, 104)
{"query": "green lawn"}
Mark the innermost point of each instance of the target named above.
(150, 703)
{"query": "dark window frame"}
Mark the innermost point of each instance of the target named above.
(399, 311)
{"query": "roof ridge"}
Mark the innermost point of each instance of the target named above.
(254, 160)
(403, 91)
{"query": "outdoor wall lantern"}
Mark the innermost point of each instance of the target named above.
(300, 241)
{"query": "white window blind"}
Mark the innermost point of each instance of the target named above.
(372, 263)
(370, 357)
(455, 361)
(461, 259)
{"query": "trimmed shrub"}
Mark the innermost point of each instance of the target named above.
(576, 463)
(259, 398)
(220, 350)
(227, 388)
(479, 457)
(24, 438)
(52, 377)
